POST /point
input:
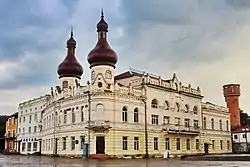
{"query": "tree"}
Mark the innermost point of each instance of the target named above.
(243, 118)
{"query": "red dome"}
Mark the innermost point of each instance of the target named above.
(70, 66)
(102, 54)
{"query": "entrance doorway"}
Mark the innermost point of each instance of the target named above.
(100, 144)
(206, 148)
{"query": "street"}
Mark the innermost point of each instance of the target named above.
(42, 161)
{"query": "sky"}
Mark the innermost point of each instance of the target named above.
(206, 43)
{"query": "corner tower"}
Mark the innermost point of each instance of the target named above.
(70, 71)
(231, 93)
(102, 59)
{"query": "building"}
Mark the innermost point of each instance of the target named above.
(216, 130)
(29, 124)
(241, 139)
(131, 114)
(11, 144)
(232, 94)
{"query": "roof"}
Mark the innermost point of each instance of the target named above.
(14, 115)
(241, 129)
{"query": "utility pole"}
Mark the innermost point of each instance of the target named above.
(146, 117)
(89, 116)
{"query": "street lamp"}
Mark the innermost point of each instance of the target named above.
(89, 112)
(246, 130)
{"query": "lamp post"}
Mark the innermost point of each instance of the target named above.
(89, 116)
(146, 122)
(246, 130)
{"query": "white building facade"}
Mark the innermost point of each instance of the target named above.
(131, 114)
(241, 139)
(29, 124)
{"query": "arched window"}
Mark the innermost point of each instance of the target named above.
(186, 108)
(212, 123)
(124, 114)
(82, 114)
(220, 122)
(166, 105)
(136, 115)
(99, 111)
(65, 84)
(108, 74)
(154, 103)
(195, 110)
(176, 86)
(227, 125)
(93, 75)
(205, 123)
(177, 107)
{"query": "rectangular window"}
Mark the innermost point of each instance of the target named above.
(196, 123)
(213, 144)
(221, 144)
(34, 146)
(177, 121)
(136, 116)
(167, 142)
(64, 143)
(65, 117)
(187, 123)
(235, 136)
(29, 146)
(124, 143)
(23, 130)
(124, 116)
(23, 146)
(73, 143)
(156, 143)
(228, 145)
(23, 118)
(34, 128)
(13, 133)
(188, 144)
(30, 118)
(197, 144)
(154, 119)
(82, 141)
(244, 136)
(82, 114)
(35, 118)
(178, 144)
(29, 129)
(73, 116)
(166, 120)
(136, 143)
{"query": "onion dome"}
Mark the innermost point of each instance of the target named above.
(70, 66)
(102, 54)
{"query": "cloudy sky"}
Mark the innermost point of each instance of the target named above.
(205, 42)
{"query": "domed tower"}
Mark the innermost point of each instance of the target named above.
(231, 94)
(102, 59)
(70, 71)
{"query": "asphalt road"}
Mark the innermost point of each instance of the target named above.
(36, 161)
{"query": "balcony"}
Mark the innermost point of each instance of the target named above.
(180, 129)
(9, 135)
(98, 125)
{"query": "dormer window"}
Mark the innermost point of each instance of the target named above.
(154, 103)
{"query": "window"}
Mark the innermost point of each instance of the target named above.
(178, 144)
(29, 146)
(82, 114)
(34, 146)
(20, 120)
(29, 129)
(235, 136)
(154, 103)
(73, 143)
(188, 144)
(177, 121)
(65, 84)
(82, 141)
(166, 120)
(196, 123)
(213, 144)
(124, 143)
(35, 117)
(221, 144)
(23, 130)
(166, 105)
(136, 115)
(34, 128)
(177, 107)
(73, 116)
(30, 119)
(64, 143)
(227, 125)
(244, 136)
(19, 130)
(197, 144)
(212, 123)
(23, 118)
(23, 146)
(136, 143)
(156, 143)
(186, 108)
(205, 123)
(167, 142)
(220, 124)
(100, 110)
(108, 74)
(65, 117)
(124, 114)
(228, 145)
(93, 75)
(187, 123)
(154, 119)
(195, 110)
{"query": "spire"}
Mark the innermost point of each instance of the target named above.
(71, 32)
(102, 14)
(71, 41)
(102, 26)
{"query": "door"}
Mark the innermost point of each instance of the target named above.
(100, 144)
(56, 140)
(206, 148)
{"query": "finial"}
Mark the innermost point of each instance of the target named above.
(102, 14)
(71, 31)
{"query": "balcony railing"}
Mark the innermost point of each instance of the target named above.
(99, 124)
(9, 135)
(174, 128)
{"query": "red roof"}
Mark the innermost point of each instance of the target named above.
(240, 129)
